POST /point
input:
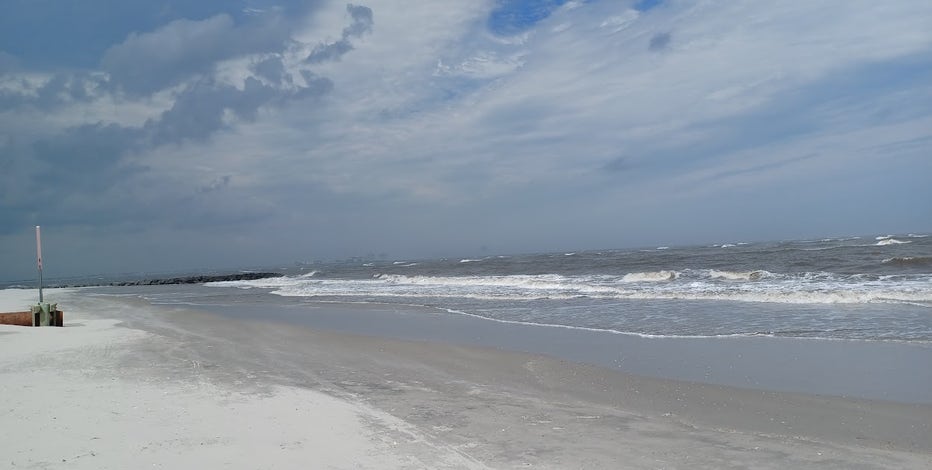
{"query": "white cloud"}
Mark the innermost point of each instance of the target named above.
(431, 113)
(585, 92)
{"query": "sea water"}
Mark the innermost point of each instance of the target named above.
(876, 288)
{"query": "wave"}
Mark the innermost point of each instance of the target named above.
(916, 235)
(739, 275)
(839, 239)
(654, 276)
(796, 334)
(892, 241)
(607, 330)
(909, 260)
(741, 286)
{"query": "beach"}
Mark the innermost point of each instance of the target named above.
(129, 383)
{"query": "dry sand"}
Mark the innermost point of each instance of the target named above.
(128, 385)
(69, 400)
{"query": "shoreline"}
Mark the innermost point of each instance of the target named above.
(465, 406)
(892, 371)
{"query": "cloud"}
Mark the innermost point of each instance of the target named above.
(519, 125)
(148, 62)
(74, 36)
(92, 160)
(659, 41)
(362, 21)
(272, 69)
(361, 24)
(216, 184)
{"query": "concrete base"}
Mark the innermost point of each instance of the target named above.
(30, 319)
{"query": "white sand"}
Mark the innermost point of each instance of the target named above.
(175, 387)
(65, 402)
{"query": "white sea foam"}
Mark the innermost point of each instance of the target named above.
(653, 276)
(663, 247)
(840, 239)
(916, 235)
(909, 260)
(738, 275)
(470, 260)
(892, 241)
(744, 286)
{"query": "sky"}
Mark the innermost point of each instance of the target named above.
(168, 135)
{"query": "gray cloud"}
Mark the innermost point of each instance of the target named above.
(215, 185)
(328, 52)
(315, 85)
(198, 111)
(61, 89)
(362, 21)
(88, 162)
(619, 164)
(92, 163)
(83, 149)
(148, 62)
(659, 42)
(550, 153)
(272, 69)
(361, 24)
(54, 174)
(65, 88)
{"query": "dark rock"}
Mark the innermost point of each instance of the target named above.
(198, 279)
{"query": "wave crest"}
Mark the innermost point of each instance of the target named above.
(909, 260)
(892, 241)
(739, 275)
(652, 276)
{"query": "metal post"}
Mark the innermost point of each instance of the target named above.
(39, 257)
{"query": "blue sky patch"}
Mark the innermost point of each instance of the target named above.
(644, 5)
(515, 16)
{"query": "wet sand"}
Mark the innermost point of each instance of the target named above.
(890, 371)
(407, 404)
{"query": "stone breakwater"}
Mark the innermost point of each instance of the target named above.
(199, 279)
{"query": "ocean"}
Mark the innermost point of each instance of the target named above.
(836, 316)
(872, 288)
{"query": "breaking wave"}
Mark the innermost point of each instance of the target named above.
(892, 241)
(653, 276)
(741, 286)
(909, 261)
(738, 275)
